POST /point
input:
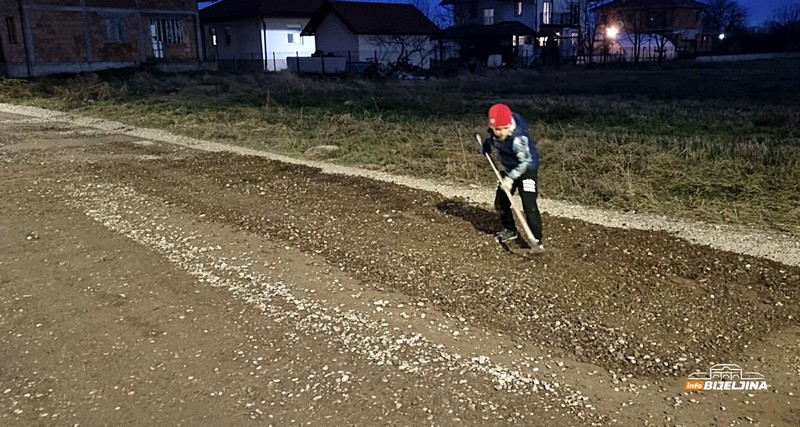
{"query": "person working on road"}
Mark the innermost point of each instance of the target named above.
(516, 151)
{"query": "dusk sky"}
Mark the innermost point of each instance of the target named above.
(758, 10)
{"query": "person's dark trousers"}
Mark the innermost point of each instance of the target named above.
(528, 187)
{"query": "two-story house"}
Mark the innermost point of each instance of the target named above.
(636, 22)
(39, 37)
(253, 35)
(519, 30)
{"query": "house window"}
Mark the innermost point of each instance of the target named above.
(115, 29)
(488, 16)
(12, 30)
(212, 32)
(293, 34)
(547, 12)
(168, 31)
(518, 8)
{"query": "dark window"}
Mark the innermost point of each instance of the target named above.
(12, 30)
(116, 29)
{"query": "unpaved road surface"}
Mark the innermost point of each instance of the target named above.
(146, 283)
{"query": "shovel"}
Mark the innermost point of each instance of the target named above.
(516, 209)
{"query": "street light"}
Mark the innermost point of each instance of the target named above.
(611, 35)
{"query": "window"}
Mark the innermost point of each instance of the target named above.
(293, 34)
(228, 37)
(116, 29)
(518, 8)
(12, 30)
(488, 16)
(547, 12)
(213, 33)
(168, 31)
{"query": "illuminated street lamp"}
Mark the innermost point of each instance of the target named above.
(611, 35)
(722, 36)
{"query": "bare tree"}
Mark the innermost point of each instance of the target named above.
(401, 50)
(590, 25)
(439, 15)
(787, 14)
(724, 16)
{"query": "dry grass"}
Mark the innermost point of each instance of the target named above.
(710, 143)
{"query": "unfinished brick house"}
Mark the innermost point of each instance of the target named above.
(39, 37)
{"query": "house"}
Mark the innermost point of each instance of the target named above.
(671, 22)
(386, 33)
(39, 37)
(519, 30)
(257, 35)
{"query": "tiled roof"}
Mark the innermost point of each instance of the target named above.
(230, 10)
(375, 18)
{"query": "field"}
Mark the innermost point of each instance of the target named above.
(151, 279)
(716, 142)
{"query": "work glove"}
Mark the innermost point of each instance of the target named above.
(486, 147)
(507, 184)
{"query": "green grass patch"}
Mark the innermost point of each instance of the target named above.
(717, 143)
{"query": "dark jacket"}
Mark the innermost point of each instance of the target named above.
(517, 153)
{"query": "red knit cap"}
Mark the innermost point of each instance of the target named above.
(499, 116)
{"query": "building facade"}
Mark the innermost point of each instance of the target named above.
(40, 37)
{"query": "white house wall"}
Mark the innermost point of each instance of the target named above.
(277, 46)
(245, 40)
(334, 37)
(504, 11)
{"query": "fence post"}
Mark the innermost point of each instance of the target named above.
(274, 62)
(297, 58)
(349, 62)
(322, 57)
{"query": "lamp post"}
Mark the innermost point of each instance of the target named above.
(610, 36)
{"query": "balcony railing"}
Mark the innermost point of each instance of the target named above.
(564, 19)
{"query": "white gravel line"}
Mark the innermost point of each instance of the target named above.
(779, 247)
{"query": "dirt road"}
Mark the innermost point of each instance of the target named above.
(147, 283)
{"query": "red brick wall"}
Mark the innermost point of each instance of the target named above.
(169, 4)
(12, 52)
(58, 36)
(105, 51)
(127, 4)
(53, 2)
